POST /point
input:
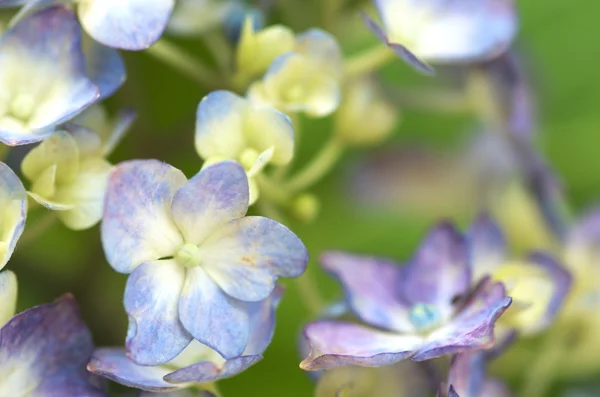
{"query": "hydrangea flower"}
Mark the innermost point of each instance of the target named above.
(69, 175)
(306, 79)
(197, 363)
(43, 350)
(196, 261)
(423, 316)
(13, 202)
(538, 285)
(231, 127)
(195, 17)
(458, 31)
(125, 24)
(40, 92)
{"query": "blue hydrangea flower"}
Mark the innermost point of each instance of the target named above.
(40, 92)
(197, 363)
(195, 260)
(426, 308)
(43, 350)
(13, 202)
(458, 31)
(538, 284)
(124, 24)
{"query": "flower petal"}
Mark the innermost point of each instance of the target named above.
(270, 128)
(8, 296)
(212, 317)
(48, 92)
(131, 25)
(487, 247)
(151, 300)
(215, 196)
(112, 363)
(247, 256)
(439, 271)
(137, 224)
(44, 350)
(472, 328)
(335, 344)
(467, 374)
(104, 66)
(371, 287)
(12, 3)
(86, 194)
(13, 201)
(220, 125)
(60, 149)
(209, 372)
(323, 48)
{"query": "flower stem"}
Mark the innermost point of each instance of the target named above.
(44, 223)
(369, 61)
(184, 62)
(318, 167)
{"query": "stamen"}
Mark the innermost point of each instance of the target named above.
(424, 316)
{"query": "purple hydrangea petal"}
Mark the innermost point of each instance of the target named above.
(443, 254)
(44, 350)
(151, 300)
(209, 372)
(137, 224)
(124, 120)
(105, 67)
(335, 344)
(12, 3)
(215, 196)
(112, 363)
(495, 388)
(246, 257)
(467, 374)
(49, 92)
(13, 200)
(212, 317)
(487, 246)
(472, 328)
(262, 322)
(371, 288)
(128, 25)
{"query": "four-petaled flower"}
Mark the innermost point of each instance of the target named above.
(196, 261)
(427, 307)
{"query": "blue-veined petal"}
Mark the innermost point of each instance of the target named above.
(372, 289)
(112, 363)
(104, 67)
(44, 351)
(215, 196)
(137, 223)
(262, 322)
(8, 296)
(151, 300)
(40, 92)
(13, 201)
(335, 344)
(129, 25)
(209, 372)
(212, 317)
(247, 256)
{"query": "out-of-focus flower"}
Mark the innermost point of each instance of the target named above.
(196, 261)
(69, 175)
(195, 17)
(258, 49)
(434, 31)
(43, 72)
(538, 284)
(125, 24)
(364, 117)
(307, 79)
(13, 202)
(43, 350)
(231, 127)
(197, 363)
(425, 317)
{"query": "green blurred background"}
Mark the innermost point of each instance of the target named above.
(559, 40)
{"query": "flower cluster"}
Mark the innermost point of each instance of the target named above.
(205, 256)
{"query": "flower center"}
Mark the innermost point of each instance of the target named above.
(248, 158)
(424, 316)
(189, 255)
(22, 107)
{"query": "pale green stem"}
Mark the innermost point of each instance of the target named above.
(369, 61)
(449, 101)
(221, 51)
(182, 61)
(42, 225)
(318, 167)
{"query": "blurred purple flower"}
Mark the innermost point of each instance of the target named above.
(426, 307)
(197, 263)
(196, 363)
